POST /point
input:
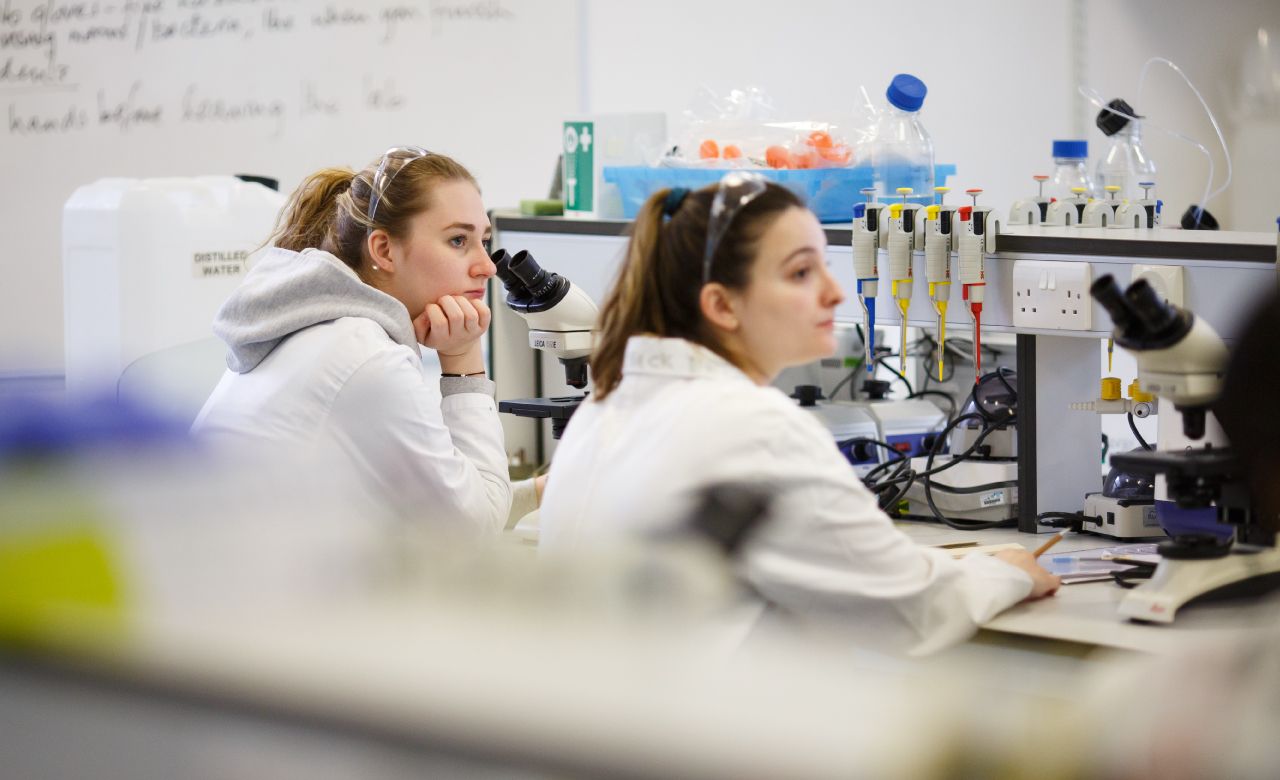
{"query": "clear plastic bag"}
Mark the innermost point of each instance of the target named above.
(740, 129)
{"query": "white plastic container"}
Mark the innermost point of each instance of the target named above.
(902, 152)
(146, 264)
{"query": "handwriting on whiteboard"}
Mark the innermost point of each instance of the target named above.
(49, 84)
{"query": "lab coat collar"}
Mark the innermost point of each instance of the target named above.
(654, 356)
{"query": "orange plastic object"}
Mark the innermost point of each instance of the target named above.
(777, 157)
(732, 152)
(804, 160)
(709, 150)
(820, 139)
(839, 154)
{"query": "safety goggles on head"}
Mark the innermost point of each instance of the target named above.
(736, 190)
(393, 161)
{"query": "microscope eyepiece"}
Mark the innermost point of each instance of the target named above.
(545, 289)
(529, 272)
(530, 288)
(1106, 292)
(1157, 317)
(1143, 320)
(502, 260)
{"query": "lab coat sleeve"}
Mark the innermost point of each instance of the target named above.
(830, 551)
(443, 459)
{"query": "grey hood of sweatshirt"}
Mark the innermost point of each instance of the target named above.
(287, 291)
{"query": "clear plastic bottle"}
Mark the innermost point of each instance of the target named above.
(1070, 170)
(1124, 162)
(902, 151)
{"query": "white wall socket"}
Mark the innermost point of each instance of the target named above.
(1052, 295)
(1166, 280)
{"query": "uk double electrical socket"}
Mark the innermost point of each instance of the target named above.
(1166, 280)
(1052, 295)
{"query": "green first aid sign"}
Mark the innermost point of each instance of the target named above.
(579, 166)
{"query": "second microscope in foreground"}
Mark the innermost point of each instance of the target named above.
(1182, 360)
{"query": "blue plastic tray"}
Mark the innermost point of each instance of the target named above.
(830, 192)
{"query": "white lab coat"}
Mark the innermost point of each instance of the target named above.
(345, 392)
(683, 418)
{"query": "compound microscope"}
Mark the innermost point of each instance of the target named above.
(1181, 359)
(560, 317)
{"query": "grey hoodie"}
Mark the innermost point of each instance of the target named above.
(287, 291)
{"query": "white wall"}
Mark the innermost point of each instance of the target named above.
(997, 72)
(490, 80)
(1208, 42)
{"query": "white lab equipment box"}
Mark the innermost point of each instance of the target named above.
(849, 421)
(908, 425)
(146, 264)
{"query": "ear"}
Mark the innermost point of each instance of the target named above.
(719, 307)
(378, 245)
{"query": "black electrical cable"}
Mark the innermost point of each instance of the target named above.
(1072, 520)
(899, 456)
(942, 437)
(883, 364)
(962, 525)
(881, 489)
(1001, 372)
(908, 477)
(871, 475)
(868, 440)
(904, 478)
(1134, 427)
(896, 497)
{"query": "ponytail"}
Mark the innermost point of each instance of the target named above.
(633, 305)
(307, 218)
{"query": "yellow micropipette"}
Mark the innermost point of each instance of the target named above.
(901, 240)
(937, 246)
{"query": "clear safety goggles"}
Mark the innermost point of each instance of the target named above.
(393, 161)
(736, 190)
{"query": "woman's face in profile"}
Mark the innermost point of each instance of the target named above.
(788, 308)
(445, 252)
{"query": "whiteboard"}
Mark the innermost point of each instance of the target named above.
(146, 88)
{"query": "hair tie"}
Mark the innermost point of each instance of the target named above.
(674, 199)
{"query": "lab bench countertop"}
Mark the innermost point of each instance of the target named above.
(1086, 613)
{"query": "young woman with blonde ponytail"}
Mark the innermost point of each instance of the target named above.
(323, 339)
(720, 290)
